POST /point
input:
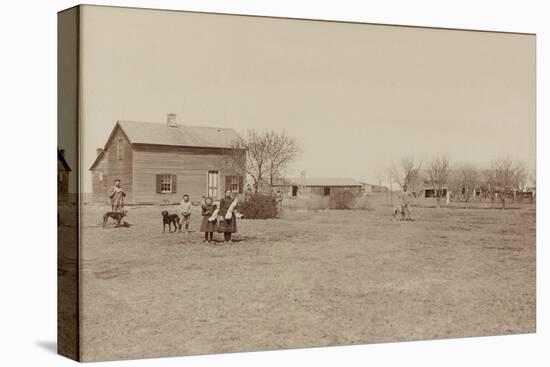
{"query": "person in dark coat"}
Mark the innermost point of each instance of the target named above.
(208, 225)
(117, 196)
(227, 226)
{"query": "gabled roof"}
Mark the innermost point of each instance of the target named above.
(182, 135)
(179, 136)
(61, 159)
(319, 181)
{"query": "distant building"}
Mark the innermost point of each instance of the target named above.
(371, 188)
(317, 186)
(63, 170)
(158, 163)
(429, 191)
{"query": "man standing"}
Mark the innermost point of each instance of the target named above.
(117, 197)
(405, 200)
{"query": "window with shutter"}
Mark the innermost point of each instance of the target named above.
(174, 184)
(165, 184)
(235, 184)
(158, 184)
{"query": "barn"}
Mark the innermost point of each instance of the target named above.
(317, 186)
(158, 163)
(63, 171)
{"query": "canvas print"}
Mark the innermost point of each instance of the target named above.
(237, 183)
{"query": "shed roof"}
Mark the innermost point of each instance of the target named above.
(320, 181)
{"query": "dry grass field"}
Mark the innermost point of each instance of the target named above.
(309, 279)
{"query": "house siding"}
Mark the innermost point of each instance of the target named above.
(189, 165)
(62, 182)
(62, 178)
(114, 168)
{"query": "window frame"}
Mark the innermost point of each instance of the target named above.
(235, 184)
(213, 190)
(165, 184)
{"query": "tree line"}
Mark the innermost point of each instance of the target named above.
(264, 156)
(503, 176)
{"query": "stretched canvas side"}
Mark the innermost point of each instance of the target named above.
(68, 335)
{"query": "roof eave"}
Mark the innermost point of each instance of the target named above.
(184, 146)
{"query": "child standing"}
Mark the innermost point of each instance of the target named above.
(185, 211)
(208, 225)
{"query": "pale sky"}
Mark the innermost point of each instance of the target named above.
(357, 96)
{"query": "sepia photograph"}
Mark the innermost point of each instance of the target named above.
(245, 183)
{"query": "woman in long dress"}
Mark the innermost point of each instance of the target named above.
(227, 221)
(208, 225)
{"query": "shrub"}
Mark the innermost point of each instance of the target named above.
(259, 206)
(342, 200)
(362, 203)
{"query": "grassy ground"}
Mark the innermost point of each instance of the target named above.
(308, 279)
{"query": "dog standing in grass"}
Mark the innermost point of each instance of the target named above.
(398, 213)
(170, 219)
(117, 216)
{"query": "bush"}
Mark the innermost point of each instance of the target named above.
(362, 203)
(259, 206)
(342, 200)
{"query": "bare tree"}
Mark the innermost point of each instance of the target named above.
(505, 176)
(263, 156)
(464, 180)
(407, 173)
(282, 149)
(439, 174)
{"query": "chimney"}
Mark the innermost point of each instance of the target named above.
(98, 151)
(171, 120)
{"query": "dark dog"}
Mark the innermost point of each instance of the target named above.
(398, 213)
(117, 216)
(170, 219)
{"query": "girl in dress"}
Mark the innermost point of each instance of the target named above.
(208, 225)
(227, 221)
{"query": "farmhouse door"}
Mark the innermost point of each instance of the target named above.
(213, 184)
